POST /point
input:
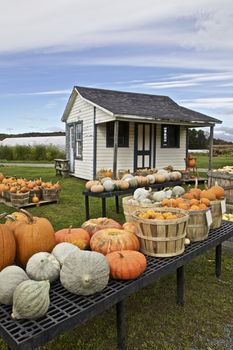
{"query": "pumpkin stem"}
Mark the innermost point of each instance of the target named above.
(121, 255)
(11, 218)
(29, 215)
(196, 182)
(206, 185)
(69, 229)
(3, 215)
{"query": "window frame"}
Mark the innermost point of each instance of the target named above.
(176, 132)
(110, 134)
(79, 140)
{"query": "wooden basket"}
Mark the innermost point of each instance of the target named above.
(129, 209)
(197, 228)
(6, 195)
(19, 199)
(216, 212)
(38, 193)
(229, 209)
(162, 238)
(223, 179)
(50, 194)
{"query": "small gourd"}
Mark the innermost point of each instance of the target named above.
(43, 266)
(109, 185)
(178, 191)
(35, 199)
(62, 250)
(31, 300)
(85, 273)
(10, 278)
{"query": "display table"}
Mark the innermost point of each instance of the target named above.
(117, 194)
(68, 311)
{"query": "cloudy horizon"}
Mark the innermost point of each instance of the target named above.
(183, 50)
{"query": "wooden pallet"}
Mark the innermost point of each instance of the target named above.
(9, 204)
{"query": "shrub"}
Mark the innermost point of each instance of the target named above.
(31, 153)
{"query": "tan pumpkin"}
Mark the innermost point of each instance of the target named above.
(121, 185)
(97, 188)
(113, 239)
(36, 235)
(94, 225)
(159, 178)
(7, 245)
(126, 264)
(91, 183)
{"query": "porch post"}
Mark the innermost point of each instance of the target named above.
(94, 143)
(187, 142)
(211, 141)
(116, 129)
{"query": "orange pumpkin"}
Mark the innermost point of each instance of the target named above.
(218, 191)
(76, 236)
(7, 245)
(14, 218)
(130, 226)
(126, 264)
(112, 239)
(205, 201)
(94, 225)
(36, 235)
(35, 199)
(196, 192)
(209, 194)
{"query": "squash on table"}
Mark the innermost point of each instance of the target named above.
(84, 272)
(109, 185)
(94, 225)
(126, 264)
(36, 235)
(97, 188)
(10, 278)
(43, 266)
(90, 183)
(62, 250)
(7, 245)
(77, 236)
(112, 239)
(31, 300)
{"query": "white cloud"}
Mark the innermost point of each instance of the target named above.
(40, 93)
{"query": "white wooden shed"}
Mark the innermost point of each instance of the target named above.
(124, 130)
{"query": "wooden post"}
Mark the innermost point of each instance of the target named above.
(94, 144)
(187, 143)
(116, 129)
(211, 141)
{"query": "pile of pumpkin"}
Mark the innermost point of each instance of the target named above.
(130, 181)
(42, 256)
(22, 185)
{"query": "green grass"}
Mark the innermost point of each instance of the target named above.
(154, 321)
(218, 162)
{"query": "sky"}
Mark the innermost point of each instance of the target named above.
(182, 49)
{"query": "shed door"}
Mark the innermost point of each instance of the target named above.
(142, 154)
(71, 147)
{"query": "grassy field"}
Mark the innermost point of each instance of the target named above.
(154, 321)
(218, 162)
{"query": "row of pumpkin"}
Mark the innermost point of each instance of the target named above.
(41, 256)
(130, 181)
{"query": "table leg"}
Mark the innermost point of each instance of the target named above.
(117, 204)
(218, 260)
(180, 286)
(121, 330)
(87, 207)
(103, 207)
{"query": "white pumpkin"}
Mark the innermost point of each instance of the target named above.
(43, 266)
(176, 175)
(31, 300)
(151, 178)
(10, 278)
(105, 179)
(178, 191)
(62, 250)
(159, 196)
(140, 194)
(85, 272)
(109, 185)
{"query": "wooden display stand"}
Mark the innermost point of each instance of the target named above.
(62, 167)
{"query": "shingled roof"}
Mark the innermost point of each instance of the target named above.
(157, 107)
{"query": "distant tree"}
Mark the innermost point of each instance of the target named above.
(197, 139)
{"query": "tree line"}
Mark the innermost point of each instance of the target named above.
(199, 139)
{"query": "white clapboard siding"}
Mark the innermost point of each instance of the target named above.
(102, 117)
(125, 155)
(83, 111)
(171, 156)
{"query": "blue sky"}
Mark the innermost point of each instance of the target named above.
(175, 48)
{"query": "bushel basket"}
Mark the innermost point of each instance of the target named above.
(198, 228)
(162, 238)
(50, 194)
(129, 209)
(19, 199)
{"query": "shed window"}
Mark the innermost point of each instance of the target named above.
(123, 134)
(170, 136)
(79, 140)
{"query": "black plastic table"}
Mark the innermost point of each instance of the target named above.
(68, 311)
(116, 194)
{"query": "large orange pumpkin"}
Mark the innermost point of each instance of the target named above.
(14, 218)
(126, 264)
(218, 191)
(7, 245)
(36, 235)
(112, 239)
(76, 236)
(94, 225)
